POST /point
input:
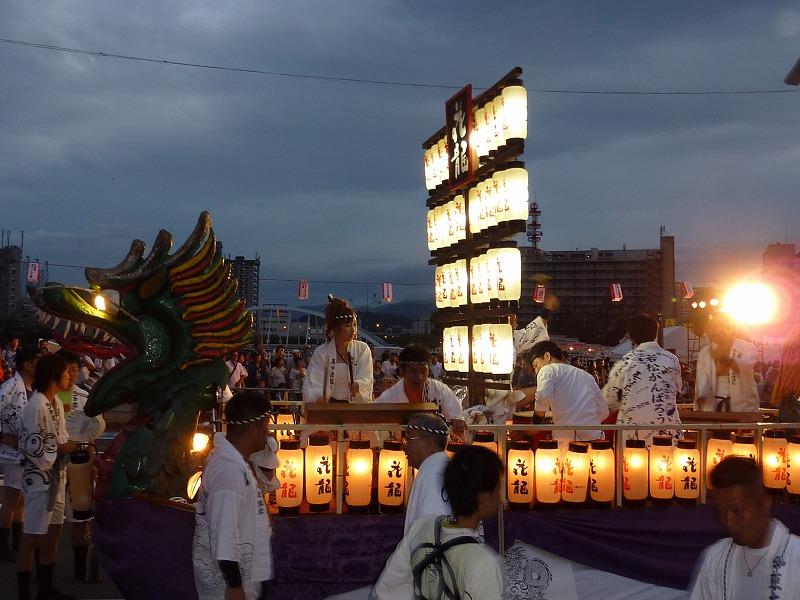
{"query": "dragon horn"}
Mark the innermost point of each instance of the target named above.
(192, 244)
(102, 277)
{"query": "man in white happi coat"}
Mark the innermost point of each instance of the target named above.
(231, 550)
(644, 384)
(14, 395)
(416, 387)
(760, 560)
(426, 440)
(724, 381)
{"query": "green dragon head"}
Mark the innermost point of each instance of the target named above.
(176, 317)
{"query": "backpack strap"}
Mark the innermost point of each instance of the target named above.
(436, 557)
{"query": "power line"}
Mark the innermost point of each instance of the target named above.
(252, 71)
(428, 284)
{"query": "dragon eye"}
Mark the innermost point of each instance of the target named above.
(107, 301)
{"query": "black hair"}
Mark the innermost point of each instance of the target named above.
(70, 357)
(472, 470)
(414, 353)
(337, 312)
(244, 406)
(642, 328)
(736, 470)
(26, 354)
(540, 348)
(49, 368)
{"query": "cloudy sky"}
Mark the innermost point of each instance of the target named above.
(324, 179)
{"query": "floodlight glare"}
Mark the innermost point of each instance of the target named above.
(751, 303)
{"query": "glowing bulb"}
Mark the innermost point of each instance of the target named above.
(100, 302)
(359, 466)
(713, 302)
(200, 442)
(751, 303)
(702, 304)
(694, 304)
(636, 460)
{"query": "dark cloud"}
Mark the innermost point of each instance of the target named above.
(324, 179)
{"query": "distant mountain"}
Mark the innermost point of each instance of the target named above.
(412, 310)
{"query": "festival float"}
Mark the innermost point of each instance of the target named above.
(612, 514)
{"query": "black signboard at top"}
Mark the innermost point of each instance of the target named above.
(460, 155)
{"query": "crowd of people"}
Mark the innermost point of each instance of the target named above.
(42, 424)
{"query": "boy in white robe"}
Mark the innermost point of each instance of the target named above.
(467, 568)
(426, 439)
(760, 560)
(231, 550)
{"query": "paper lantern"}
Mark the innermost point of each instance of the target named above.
(460, 211)
(319, 473)
(507, 272)
(451, 227)
(548, 472)
(774, 459)
(428, 163)
(440, 214)
(661, 469)
(485, 439)
(440, 288)
(453, 447)
(479, 349)
(501, 349)
(744, 445)
(489, 202)
(431, 229)
(634, 470)
(460, 277)
(358, 480)
(719, 446)
(392, 467)
(687, 470)
(601, 471)
(474, 210)
(193, 485)
(515, 112)
(291, 475)
(462, 349)
(515, 191)
(793, 468)
(575, 472)
(443, 168)
(284, 417)
(491, 116)
(520, 475)
(476, 138)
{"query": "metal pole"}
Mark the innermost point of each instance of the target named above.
(501, 534)
(619, 442)
(339, 471)
(702, 445)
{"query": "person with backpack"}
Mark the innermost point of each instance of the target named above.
(443, 557)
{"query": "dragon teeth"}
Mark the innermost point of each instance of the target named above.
(82, 328)
(56, 321)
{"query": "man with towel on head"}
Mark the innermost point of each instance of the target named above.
(426, 440)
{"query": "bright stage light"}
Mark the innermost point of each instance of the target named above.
(751, 303)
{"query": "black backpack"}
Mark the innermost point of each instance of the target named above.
(436, 558)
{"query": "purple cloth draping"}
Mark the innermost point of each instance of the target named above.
(146, 548)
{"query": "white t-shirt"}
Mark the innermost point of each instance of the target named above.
(476, 566)
(237, 372)
(427, 494)
(573, 397)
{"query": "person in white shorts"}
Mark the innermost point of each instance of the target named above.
(44, 445)
(13, 398)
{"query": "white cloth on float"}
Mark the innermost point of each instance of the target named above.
(427, 493)
(743, 389)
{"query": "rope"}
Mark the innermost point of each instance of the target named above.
(428, 429)
(260, 417)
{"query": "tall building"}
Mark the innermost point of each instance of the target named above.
(10, 266)
(781, 260)
(246, 272)
(582, 280)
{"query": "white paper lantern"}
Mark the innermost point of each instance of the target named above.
(392, 476)
(291, 475)
(506, 272)
(442, 298)
(462, 349)
(478, 349)
(687, 470)
(601, 471)
(484, 439)
(474, 209)
(744, 445)
(487, 191)
(515, 112)
(431, 229)
(793, 468)
(575, 473)
(548, 472)
(501, 349)
(774, 459)
(719, 446)
(516, 192)
(443, 164)
(635, 482)
(661, 469)
(460, 211)
(358, 480)
(520, 475)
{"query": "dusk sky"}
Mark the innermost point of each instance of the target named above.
(324, 179)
